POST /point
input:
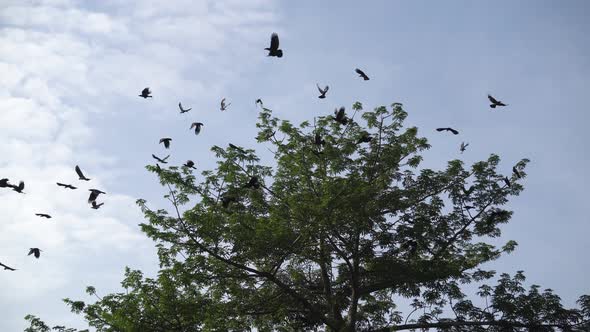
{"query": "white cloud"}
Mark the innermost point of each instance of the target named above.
(63, 68)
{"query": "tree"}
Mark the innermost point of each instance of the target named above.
(330, 239)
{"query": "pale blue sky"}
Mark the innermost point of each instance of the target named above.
(77, 70)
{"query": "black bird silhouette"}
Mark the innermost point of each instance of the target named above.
(224, 106)
(182, 110)
(317, 140)
(322, 91)
(468, 207)
(145, 93)
(6, 267)
(362, 74)
(227, 199)
(68, 186)
(190, 164)
(274, 50)
(365, 138)
(96, 206)
(162, 160)
(19, 189)
(448, 129)
(237, 148)
(35, 251)
(166, 141)
(495, 102)
(94, 195)
(340, 116)
(507, 181)
(4, 183)
(516, 172)
(463, 147)
(468, 192)
(43, 215)
(259, 101)
(80, 174)
(197, 126)
(253, 183)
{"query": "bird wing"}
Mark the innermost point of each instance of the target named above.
(180, 106)
(21, 185)
(454, 131)
(441, 129)
(31, 251)
(492, 99)
(92, 197)
(326, 89)
(274, 41)
(164, 159)
(61, 184)
(79, 171)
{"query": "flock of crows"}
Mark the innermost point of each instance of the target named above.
(273, 50)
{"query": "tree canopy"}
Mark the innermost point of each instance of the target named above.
(342, 226)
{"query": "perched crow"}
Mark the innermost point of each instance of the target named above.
(68, 186)
(80, 174)
(362, 74)
(166, 142)
(197, 126)
(463, 146)
(190, 164)
(161, 160)
(468, 192)
(227, 198)
(507, 181)
(340, 116)
(94, 195)
(145, 93)
(365, 138)
(259, 101)
(317, 140)
(270, 135)
(274, 50)
(516, 172)
(4, 183)
(495, 102)
(19, 188)
(223, 105)
(237, 148)
(253, 183)
(448, 129)
(182, 110)
(43, 215)
(6, 267)
(96, 206)
(322, 91)
(35, 251)
(468, 207)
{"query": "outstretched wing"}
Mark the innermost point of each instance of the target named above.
(274, 41)
(79, 172)
(492, 99)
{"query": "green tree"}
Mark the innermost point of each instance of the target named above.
(330, 238)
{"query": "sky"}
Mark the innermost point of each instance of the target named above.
(70, 73)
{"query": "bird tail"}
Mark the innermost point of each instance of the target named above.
(493, 106)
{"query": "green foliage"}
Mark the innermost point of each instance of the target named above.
(334, 236)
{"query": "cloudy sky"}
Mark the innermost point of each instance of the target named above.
(70, 73)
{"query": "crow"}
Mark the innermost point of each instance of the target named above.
(267, 137)
(516, 172)
(463, 147)
(197, 126)
(223, 105)
(495, 102)
(468, 207)
(340, 116)
(182, 110)
(362, 74)
(145, 93)
(259, 101)
(161, 160)
(468, 192)
(237, 148)
(317, 140)
(365, 138)
(96, 206)
(322, 91)
(35, 251)
(274, 50)
(43, 215)
(166, 142)
(190, 164)
(448, 129)
(6, 267)
(80, 174)
(253, 183)
(507, 181)
(94, 195)
(227, 199)
(19, 188)
(4, 183)
(68, 186)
